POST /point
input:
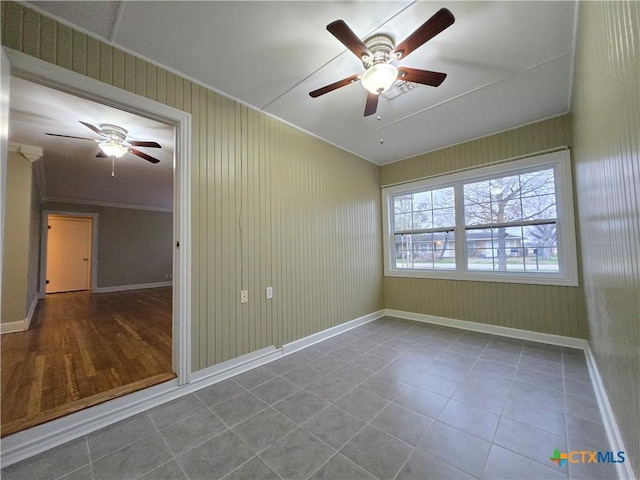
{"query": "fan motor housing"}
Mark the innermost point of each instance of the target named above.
(113, 132)
(380, 46)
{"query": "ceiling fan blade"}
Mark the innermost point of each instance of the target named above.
(330, 88)
(372, 104)
(70, 136)
(441, 20)
(143, 155)
(342, 32)
(145, 144)
(93, 128)
(424, 77)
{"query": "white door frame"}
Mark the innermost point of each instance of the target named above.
(38, 71)
(5, 83)
(44, 238)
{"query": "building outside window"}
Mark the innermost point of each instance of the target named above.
(510, 222)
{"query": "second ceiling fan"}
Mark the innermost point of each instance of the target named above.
(378, 54)
(114, 142)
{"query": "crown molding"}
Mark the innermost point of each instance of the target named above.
(29, 152)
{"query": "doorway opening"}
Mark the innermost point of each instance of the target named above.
(172, 299)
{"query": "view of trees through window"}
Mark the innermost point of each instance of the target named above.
(424, 236)
(509, 225)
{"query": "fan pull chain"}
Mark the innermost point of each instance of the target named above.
(381, 139)
(113, 165)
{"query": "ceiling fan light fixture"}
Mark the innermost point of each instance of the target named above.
(379, 77)
(113, 149)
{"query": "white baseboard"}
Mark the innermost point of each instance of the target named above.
(38, 439)
(492, 329)
(13, 327)
(20, 325)
(625, 470)
(330, 332)
(137, 286)
(28, 443)
(222, 371)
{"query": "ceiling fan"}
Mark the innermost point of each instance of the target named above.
(379, 52)
(114, 142)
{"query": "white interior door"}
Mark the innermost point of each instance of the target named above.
(68, 254)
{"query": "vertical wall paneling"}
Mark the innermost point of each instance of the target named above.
(129, 72)
(106, 64)
(93, 58)
(48, 39)
(30, 33)
(199, 111)
(271, 206)
(63, 47)
(606, 105)
(172, 97)
(118, 68)
(549, 309)
(79, 53)
(152, 82)
(12, 24)
(161, 79)
(141, 77)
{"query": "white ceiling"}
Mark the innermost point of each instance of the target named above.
(69, 169)
(508, 63)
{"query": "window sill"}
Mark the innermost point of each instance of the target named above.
(530, 278)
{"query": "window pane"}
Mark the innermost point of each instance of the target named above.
(422, 220)
(477, 213)
(528, 196)
(444, 253)
(443, 197)
(421, 201)
(402, 222)
(539, 207)
(510, 216)
(538, 183)
(403, 251)
(541, 248)
(507, 210)
(479, 192)
(402, 204)
(480, 249)
(425, 251)
(424, 210)
(444, 217)
(495, 249)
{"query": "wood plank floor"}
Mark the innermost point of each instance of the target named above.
(83, 349)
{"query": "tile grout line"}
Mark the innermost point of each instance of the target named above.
(403, 349)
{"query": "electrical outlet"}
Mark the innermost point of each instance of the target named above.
(244, 296)
(269, 292)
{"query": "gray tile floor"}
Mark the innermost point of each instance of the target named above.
(392, 399)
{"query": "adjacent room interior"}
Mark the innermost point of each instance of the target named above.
(98, 256)
(471, 213)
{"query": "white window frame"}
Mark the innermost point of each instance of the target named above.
(566, 232)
